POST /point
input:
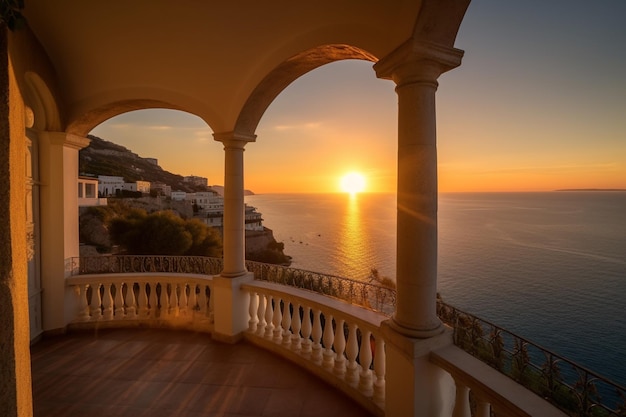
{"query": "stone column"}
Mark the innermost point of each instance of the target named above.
(230, 303)
(414, 386)
(415, 67)
(234, 210)
(59, 223)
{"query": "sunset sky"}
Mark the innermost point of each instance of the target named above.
(539, 103)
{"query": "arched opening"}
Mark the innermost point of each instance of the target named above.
(147, 161)
(336, 119)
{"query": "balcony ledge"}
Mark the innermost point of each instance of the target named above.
(504, 393)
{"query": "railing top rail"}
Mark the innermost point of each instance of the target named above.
(138, 277)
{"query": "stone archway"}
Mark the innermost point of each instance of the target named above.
(287, 72)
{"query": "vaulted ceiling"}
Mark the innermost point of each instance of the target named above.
(205, 57)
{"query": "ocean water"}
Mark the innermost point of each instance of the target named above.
(550, 267)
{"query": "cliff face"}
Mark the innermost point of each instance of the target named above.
(106, 158)
(263, 247)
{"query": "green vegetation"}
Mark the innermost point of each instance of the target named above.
(164, 233)
(139, 233)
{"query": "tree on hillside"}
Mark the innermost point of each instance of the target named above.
(164, 233)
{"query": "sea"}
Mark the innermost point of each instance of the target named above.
(549, 266)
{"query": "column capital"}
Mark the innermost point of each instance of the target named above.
(418, 62)
(234, 139)
(68, 140)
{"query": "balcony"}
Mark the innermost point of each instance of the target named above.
(332, 328)
(152, 372)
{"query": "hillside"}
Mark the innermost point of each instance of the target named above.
(102, 157)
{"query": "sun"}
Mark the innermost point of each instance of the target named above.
(353, 183)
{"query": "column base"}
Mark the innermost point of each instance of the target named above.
(416, 333)
(414, 386)
(233, 274)
(230, 307)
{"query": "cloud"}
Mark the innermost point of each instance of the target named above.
(301, 126)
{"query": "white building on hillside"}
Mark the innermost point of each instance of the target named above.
(161, 188)
(88, 193)
(141, 186)
(178, 195)
(109, 185)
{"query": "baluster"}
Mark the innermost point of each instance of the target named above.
(96, 303)
(296, 323)
(131, 311)
(461, 402)
(306, 332)
(483, 408)
(83, 304)
(107, 302)
(365, 357)
(182, 302)
(119, 302)
(154, 301)
(173, 307)
(142, 301)
(165, 300)
(340, 346)
(193, 298)
(352, 351)
(269, 314)
(379, 369)
(329, 337)
(253, 307)
(261, 314)
(286, 323)
(277, 321)
(316, 349)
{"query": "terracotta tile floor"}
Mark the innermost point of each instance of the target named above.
(139, 372)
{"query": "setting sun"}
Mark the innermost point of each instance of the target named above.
(353, 183)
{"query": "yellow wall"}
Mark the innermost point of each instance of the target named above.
(15, 375)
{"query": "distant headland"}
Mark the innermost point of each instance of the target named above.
(592, 189)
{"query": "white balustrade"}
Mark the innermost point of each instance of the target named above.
(328, 338)
(277, 319)
(261, 323)
(269, 314)
(316, 337)
(305, 331)
(491, 390)
(252, 311)
(107, 302)
(130, 302)
(296, 325)
(336, 338)
(286, 324)
(461, 401)
(161, 299)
